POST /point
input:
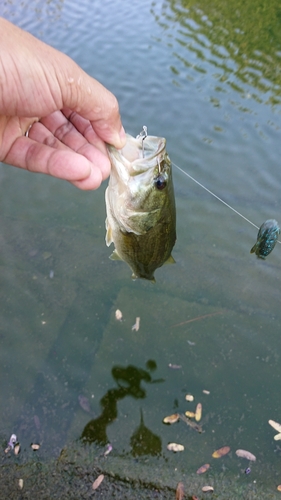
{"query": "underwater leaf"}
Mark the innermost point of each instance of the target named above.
(118, 315)
(203, 469)
(190, 414)
(189, 397)
(180, 491)
(221, 452)
(17, 449)
(175, 447)
(245, 454)
(198, 412)
(136, 326)
(35, 446)
(171, 419)
(98, 481)
(275, 425)
(207, 488)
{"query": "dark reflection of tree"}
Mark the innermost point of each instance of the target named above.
(128, 380)
(144, 442)
(241, 39)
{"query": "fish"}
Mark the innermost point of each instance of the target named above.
(140, 205)
(266, 239)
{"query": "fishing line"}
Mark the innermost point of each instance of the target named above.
(217, 197)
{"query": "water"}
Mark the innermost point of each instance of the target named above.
(206, 77)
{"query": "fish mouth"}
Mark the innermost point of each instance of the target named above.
(139, 155)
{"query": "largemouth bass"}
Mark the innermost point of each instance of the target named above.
(140, 205)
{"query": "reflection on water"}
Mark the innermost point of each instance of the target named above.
(128, 379)
(241, 41)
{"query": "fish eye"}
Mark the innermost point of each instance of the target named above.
(160, 182)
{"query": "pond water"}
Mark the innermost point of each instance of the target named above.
(206, 76)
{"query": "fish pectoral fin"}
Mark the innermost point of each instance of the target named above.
(170, 260)
(115, 256)
(254, 248)
(108, 236)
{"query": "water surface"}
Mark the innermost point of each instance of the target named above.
(206, 77)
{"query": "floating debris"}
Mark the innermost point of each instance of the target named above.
(180, 491)
(108, 450)
(206, 392)
(275, 425)
(205, 489)
(118, 315)
(175, 447)
(203, 469)
(20, 484)
(248, 470)
(279, 487)
(171, 419)
(17, 449)
(98, 481)
(174, 367)
(246, 454)
(84, 403)
(192, 424)
(189, 397)
(191, 343)
(35, 446)
(52, 274)
(136, 326)
(198, 412)
(266, 239)
(221, 452)
(190, 414)
(12, 441)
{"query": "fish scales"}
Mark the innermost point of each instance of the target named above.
(140, 205)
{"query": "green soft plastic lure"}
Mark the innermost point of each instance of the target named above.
(267, 238)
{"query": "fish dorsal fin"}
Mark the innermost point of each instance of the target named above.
(115, 255)
(170, 260)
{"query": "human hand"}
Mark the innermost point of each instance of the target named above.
(67, 115)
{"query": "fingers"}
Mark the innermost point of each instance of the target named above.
(38, 79)
(58, 126)
(59, 162)
(93, 101)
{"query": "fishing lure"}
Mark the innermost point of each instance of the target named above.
(267, 238)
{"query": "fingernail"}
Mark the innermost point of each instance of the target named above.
(122, 135)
